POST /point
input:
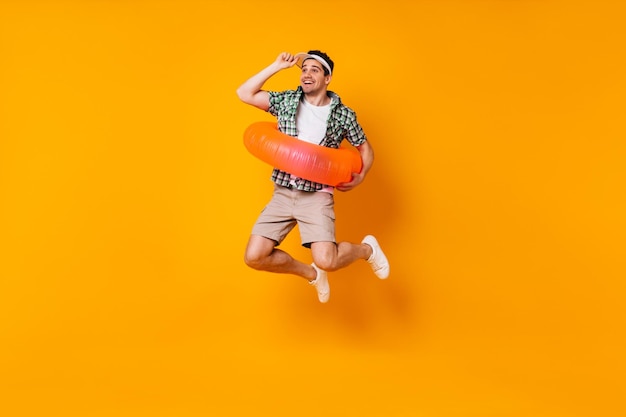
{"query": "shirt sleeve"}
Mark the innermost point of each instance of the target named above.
(354, 131)
(276, 98)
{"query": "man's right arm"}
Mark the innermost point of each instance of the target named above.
(250, 92)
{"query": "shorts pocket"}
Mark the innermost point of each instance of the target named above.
(328, 212)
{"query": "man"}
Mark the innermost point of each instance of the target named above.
(314, 114)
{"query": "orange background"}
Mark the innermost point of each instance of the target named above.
(127, 197)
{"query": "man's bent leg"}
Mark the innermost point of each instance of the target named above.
(332, 256)
(261, 254)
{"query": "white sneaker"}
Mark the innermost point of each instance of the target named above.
(321, 284)
(377, 260)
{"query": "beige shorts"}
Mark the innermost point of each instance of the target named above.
(313, 212)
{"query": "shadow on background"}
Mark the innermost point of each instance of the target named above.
(361, 306)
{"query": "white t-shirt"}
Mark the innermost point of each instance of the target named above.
(311, 123)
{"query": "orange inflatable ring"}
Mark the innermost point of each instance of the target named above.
(303, 159)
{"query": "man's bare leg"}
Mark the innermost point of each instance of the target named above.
(261, 254)
(331, 257)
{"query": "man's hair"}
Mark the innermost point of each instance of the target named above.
(326, 58)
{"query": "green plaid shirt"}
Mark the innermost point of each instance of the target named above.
(341, 124)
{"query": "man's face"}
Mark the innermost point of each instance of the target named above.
(312, 77)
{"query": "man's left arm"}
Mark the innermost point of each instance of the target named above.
(367, 157)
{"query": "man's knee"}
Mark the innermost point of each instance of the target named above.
(254, 258)
(257, 252)
(325, 264)
(325, 256)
